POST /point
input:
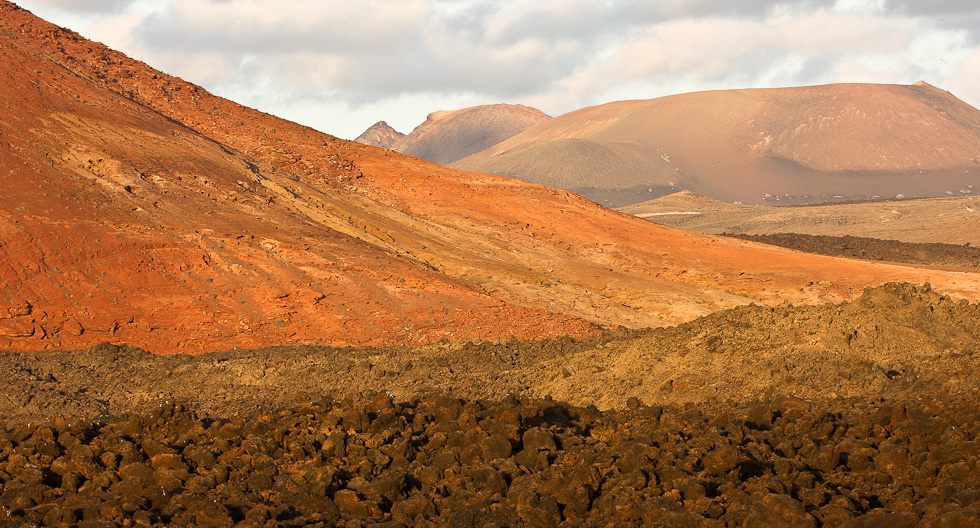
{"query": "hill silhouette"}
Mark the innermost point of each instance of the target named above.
(449, 135)
(787, 145)
(380, 134)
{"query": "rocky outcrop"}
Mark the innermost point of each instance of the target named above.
(381, 135)
(447, 136)
(444, 461)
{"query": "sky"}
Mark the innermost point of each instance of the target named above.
(340, 66)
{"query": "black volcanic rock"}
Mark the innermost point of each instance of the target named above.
(176, 466)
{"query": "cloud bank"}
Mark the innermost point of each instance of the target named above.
(340, 66)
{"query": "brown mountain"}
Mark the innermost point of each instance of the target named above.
(136, 207)
(450, 135)
(380, 134)
(791, 145)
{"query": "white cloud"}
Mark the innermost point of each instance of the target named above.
(303, 26)
(871, 6)
(82, 6)
(962, 80)
(340, 66)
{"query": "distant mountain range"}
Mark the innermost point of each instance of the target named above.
(448, 136)
(759, 146)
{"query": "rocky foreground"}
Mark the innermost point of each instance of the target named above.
(861, 414)
(442, 461)
(897, 341)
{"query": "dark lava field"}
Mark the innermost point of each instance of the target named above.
(918, 253)
(863, 414)
(443, 461)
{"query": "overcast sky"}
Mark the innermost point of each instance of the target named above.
(341, 65)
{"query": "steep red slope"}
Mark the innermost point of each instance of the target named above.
(792, 145)
(118, 223)
(138, 207)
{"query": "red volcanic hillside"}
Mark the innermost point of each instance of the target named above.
(787, 145)
(119, 223)
(136, 207)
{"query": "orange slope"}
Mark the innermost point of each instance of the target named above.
(195, 223)
(119, 224)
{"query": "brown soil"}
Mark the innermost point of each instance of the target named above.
(927, 254)
(941, 220)
(859, 414)
(894, 341)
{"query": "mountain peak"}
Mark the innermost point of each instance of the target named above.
(787, 145)
(450, 135)
(381, 135)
